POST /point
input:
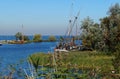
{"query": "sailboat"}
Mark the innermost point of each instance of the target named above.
(68, 42)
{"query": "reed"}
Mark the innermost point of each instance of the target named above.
(71, 63)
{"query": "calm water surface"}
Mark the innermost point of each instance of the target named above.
(13, 53)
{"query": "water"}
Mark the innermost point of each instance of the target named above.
(11, 53)
(16, 54)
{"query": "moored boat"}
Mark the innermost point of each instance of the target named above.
(61, 50)
(0, 44)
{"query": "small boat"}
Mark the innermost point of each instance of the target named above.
(0, 44)
(61, 50)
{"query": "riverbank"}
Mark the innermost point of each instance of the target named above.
(6, 39)
(21, 42)
(78, 64)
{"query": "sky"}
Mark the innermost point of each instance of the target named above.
(48, 17)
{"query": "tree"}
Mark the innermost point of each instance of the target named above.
(106, 26)
(111, 28)
(51, 38)
(37, 38)
(90, 32)
(18, 36)
(114, 12)
(26, 38)
(86, 24)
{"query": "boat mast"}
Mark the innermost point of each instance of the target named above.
(71, 19)
(67, 34)
(22, 34)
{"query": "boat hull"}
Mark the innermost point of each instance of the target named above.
(0, 44)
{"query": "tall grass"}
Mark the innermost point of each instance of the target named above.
(84, 61)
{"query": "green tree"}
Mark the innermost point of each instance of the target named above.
(26, 38)
(105, 24)
(114, 10)
(111, 28)
(52, 38)
(85, 26)
(114, 14)
(18, 36)
(37, 38)
(90, 33)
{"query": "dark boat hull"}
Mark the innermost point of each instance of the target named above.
(0, 44)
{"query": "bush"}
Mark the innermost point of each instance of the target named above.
(52, 38)
(116, 60)
(37, 38)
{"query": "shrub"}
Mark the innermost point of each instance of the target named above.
(52, 38)
(37, 38)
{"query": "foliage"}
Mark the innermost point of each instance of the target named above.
(19, 36)
(90, 33)
(34, 61)
(89, 63)
(116, 60)
(111, 28)
(37, 38)
(38, 59)
(114, 10)
(26, 38)
(52, 38)
(104, 36)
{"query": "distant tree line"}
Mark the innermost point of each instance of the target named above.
(36, 38)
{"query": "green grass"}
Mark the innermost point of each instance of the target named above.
(79, 59)
(88, 62)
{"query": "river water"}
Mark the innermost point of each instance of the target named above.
(12, 53)
(15, 55)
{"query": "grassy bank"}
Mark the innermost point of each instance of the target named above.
(84, 58)
(86, 61)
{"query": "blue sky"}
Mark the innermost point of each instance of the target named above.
(47, 17)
